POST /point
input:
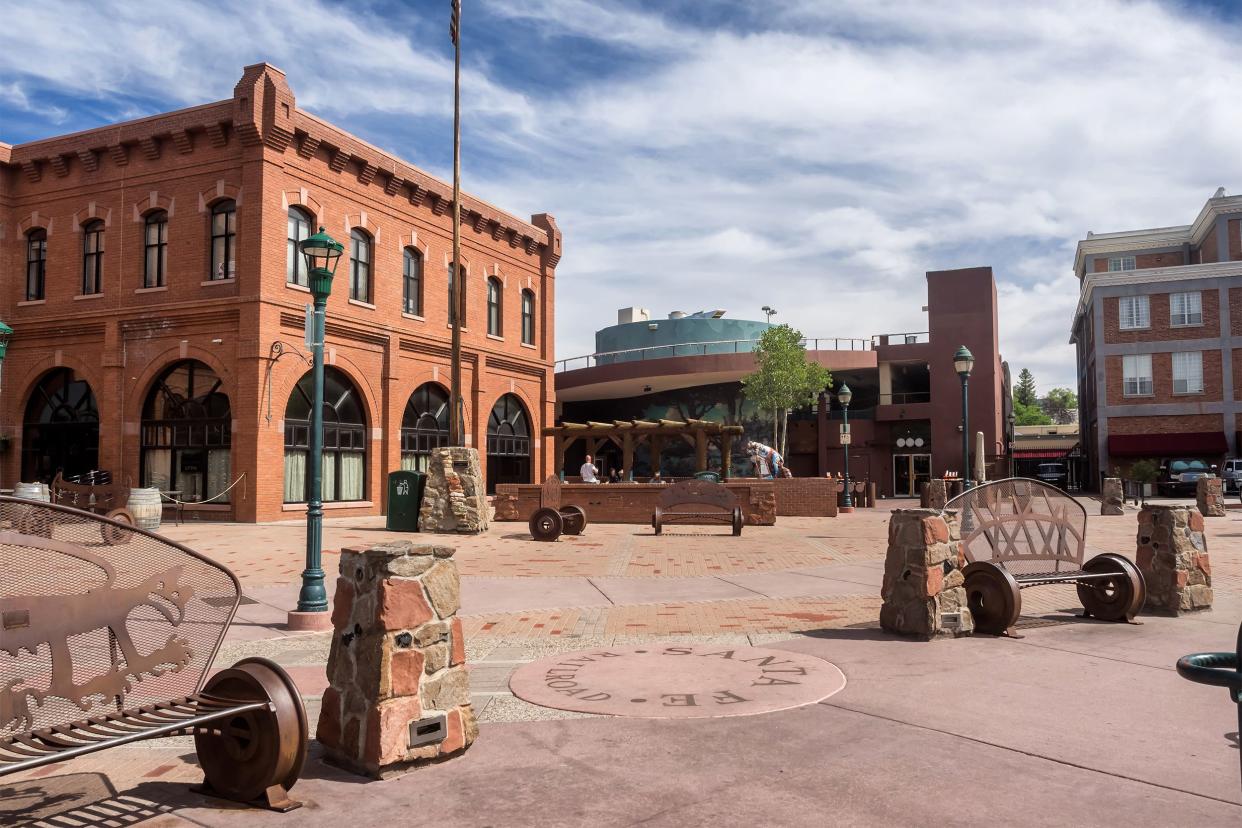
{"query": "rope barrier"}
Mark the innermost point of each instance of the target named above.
(208, 500)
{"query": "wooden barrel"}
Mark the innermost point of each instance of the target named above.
(146, 507)
(32, 491)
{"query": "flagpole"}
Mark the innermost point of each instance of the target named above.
(455, 396)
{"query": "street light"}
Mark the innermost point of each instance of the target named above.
(963, 361)
(770, 311)
(322, 253)
(844, 396)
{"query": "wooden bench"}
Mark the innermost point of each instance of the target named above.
(107, 633)
(1020, 533)
(550, 519)
(704, 494)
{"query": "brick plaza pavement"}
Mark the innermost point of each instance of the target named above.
(523, 600)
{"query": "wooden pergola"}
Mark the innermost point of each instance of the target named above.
(627, 435)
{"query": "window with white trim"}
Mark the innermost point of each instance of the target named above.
(1120, 263)
(1134, 312)
(1185, 309)
(1188, 372)
(1136, 372)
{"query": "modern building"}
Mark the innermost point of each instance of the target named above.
(906, 412)
(150, 272)
(1158, 330)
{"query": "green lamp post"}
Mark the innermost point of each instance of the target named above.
(6, 333)
(963, 361)
(844, 396)
(322, 253)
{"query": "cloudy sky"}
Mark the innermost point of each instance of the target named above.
(814, 155)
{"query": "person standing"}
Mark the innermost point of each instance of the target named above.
(588, 472)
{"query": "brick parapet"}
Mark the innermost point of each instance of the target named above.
(628, 502)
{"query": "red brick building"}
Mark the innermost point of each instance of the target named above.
(1157, 333)
(151, 276)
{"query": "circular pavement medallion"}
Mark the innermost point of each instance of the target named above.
(677, 681)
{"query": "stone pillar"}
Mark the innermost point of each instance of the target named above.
(1210, 495)
(455, 500)
(397, 663)
(1173, 557)
(937, 495)
(1112, 498)
(922, 591)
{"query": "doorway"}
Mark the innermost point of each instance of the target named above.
(910, 472)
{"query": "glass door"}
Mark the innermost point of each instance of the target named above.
(910, 472)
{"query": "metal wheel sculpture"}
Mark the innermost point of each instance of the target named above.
(112, 534)
(993, 597)
(1118, 598)
(575, 519)
(546, 524)
(737, 522)
(657, 520)
(257, 754)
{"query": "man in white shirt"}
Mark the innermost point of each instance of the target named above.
(588, 471)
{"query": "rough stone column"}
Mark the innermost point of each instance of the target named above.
(397, 662)
(937, 494)
(1173, 557)
(922, 576)
(1210, 495)
(455, 499)
(1112, 497)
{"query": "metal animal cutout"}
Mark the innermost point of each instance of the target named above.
(27, 622)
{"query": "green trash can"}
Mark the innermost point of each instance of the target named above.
(708, 475)
(405, 500)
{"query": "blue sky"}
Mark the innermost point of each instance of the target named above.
(814, 155)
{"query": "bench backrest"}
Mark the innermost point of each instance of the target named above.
(550, 493)
(97, 497)
(96, 615)
(698, 493)
(1027, 525)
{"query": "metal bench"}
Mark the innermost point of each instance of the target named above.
(98, 494)
(1020, 533)
(107, 633)
(701, 493)
(551, 519)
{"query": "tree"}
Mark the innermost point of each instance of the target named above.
(1024, 391)
(1025, 415)
(785, 379)
(1060, 405)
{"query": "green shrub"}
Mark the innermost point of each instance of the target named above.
(1144, 471)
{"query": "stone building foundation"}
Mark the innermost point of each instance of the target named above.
(1112, 497)
(399, 694)
(1173, 557)
(1210, 496)
(922, 591)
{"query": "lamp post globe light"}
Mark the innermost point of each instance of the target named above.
(963, 361)
(322, 254)
(844, 395)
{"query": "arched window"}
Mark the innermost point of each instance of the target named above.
(494, 315)
(223, 240)
(424, 426)
(508, 443)
(36, 264)
(295, 264)
(528, 317)
(344, 439)
(462, 298)
(92, 257)
(61, 429)
(155, 249)
(187, 433)
(412, 282)
(359, 265)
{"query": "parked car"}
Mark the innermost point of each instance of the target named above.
(1232, 474)
(1178, 475)
(1056, 474)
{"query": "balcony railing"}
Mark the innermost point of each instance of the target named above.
(913, 338)
(724, 346)
(905, 398)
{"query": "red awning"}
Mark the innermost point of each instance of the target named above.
(1158, 445)
(1039, 454)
